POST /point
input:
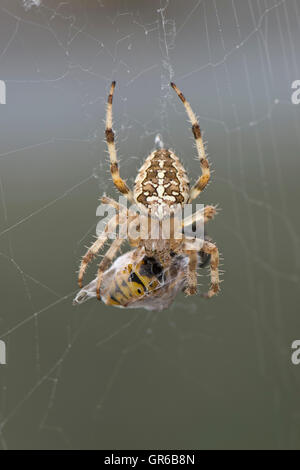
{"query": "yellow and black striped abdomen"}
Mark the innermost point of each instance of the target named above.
(134, 282)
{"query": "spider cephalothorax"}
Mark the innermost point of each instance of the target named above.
(161, 188)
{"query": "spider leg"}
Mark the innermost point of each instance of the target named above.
(96, 246)
(109, 256)
(191, 287)
(212, 250)
(205, 176)
(111, 202)
(110, 139)
(131, 217)
(202, 215)
(122, 219)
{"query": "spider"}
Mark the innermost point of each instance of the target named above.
(160, 187)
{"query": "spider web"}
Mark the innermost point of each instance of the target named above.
(202, 374)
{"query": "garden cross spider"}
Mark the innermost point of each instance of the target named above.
(160, 187)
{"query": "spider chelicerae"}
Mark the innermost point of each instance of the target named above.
(161, 187)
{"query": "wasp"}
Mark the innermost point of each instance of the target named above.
(141, 283)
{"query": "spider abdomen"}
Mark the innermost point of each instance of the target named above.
(161, 181)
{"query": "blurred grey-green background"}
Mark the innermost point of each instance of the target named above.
(203, 374)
